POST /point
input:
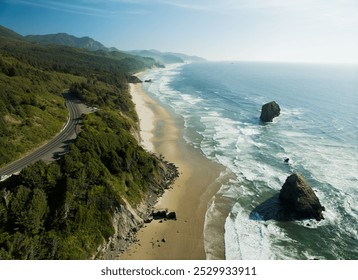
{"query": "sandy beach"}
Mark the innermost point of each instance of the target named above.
(181, 239)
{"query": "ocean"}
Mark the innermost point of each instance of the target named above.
(220, 104)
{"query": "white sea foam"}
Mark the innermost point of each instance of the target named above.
(250, 130)
(255, 154)
(190, 99)
(251, 239)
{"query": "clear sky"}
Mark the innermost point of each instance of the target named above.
(258, 30)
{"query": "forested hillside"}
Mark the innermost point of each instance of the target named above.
(33, 77)
(65, 210)
(68, 40)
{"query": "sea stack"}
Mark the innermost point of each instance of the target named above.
(269, 111)
(298, 200)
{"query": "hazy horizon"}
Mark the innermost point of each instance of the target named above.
(307, 31)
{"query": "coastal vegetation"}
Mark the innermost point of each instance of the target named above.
(33, 77)
(65, 209)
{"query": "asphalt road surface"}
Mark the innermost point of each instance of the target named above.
(52, 148)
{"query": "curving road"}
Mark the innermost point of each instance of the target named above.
(67, 133)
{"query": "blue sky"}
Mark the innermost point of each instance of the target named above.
(254, 30)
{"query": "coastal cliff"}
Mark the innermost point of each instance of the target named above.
(100, 189)
(127, 220)
(89, 203)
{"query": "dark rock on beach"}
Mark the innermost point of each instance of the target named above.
(163, 214)
(269, 111)
(128, 220)
(159, 214)
(298, 200)
(171, 216)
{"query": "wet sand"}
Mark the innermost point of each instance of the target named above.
(182, 239)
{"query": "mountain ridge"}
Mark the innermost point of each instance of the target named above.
(90, 44)
(69, 40)
(167, 57)
(8, 33)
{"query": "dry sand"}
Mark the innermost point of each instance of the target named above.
(182, 239)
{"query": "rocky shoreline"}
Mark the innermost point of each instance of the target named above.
(128, 220)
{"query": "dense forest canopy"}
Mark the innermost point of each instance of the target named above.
(64, 210)
(33, 77)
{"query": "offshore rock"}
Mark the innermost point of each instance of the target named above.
(298, 200)
(269, 111)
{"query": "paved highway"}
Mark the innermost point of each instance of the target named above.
(73, 106)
